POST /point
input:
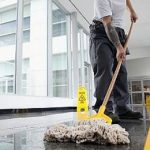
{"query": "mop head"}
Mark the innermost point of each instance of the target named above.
(88, 131)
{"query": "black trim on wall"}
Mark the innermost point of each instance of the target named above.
(30, 110)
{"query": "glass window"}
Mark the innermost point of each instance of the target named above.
(9, 13)
(136, 86)
(59, 91)
(146, 85)
(8, 32)
(82, 47)
(86, 52)
(8, 17)
(2, 87)
(7, 28)
(59, 51)
(79, 55)
(137, 98)
(85, 46)
(87, 79)
(26, 36)
(8, 39)
(10, 86)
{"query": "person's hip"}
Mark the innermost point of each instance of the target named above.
(97, 31)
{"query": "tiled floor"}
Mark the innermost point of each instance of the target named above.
(27, 134)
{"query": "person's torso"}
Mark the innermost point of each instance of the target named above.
(117, 8)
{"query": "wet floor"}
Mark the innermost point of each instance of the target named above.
(32, 138)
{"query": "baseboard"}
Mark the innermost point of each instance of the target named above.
(8, 111)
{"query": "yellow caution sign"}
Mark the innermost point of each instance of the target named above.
(148, 100)
(82, 104)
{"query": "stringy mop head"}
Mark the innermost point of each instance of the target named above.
(91, 131)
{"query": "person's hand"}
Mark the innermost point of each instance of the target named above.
(121, 54)
(133, 16)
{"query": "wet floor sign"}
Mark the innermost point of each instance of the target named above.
(148, 100)
(82, 104)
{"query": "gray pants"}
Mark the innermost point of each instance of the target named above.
(103, 60)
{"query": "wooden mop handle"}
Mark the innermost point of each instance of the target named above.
(116, 71)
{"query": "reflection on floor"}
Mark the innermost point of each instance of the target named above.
(27, 133)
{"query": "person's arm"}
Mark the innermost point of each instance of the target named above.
(113, 37)
(133, 14)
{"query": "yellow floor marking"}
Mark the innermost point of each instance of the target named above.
(147, 144)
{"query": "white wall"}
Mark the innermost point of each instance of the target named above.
(138, 67)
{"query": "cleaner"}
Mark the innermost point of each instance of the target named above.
(107, 38)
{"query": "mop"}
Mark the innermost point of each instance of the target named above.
(94, 129)
(89, 131)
